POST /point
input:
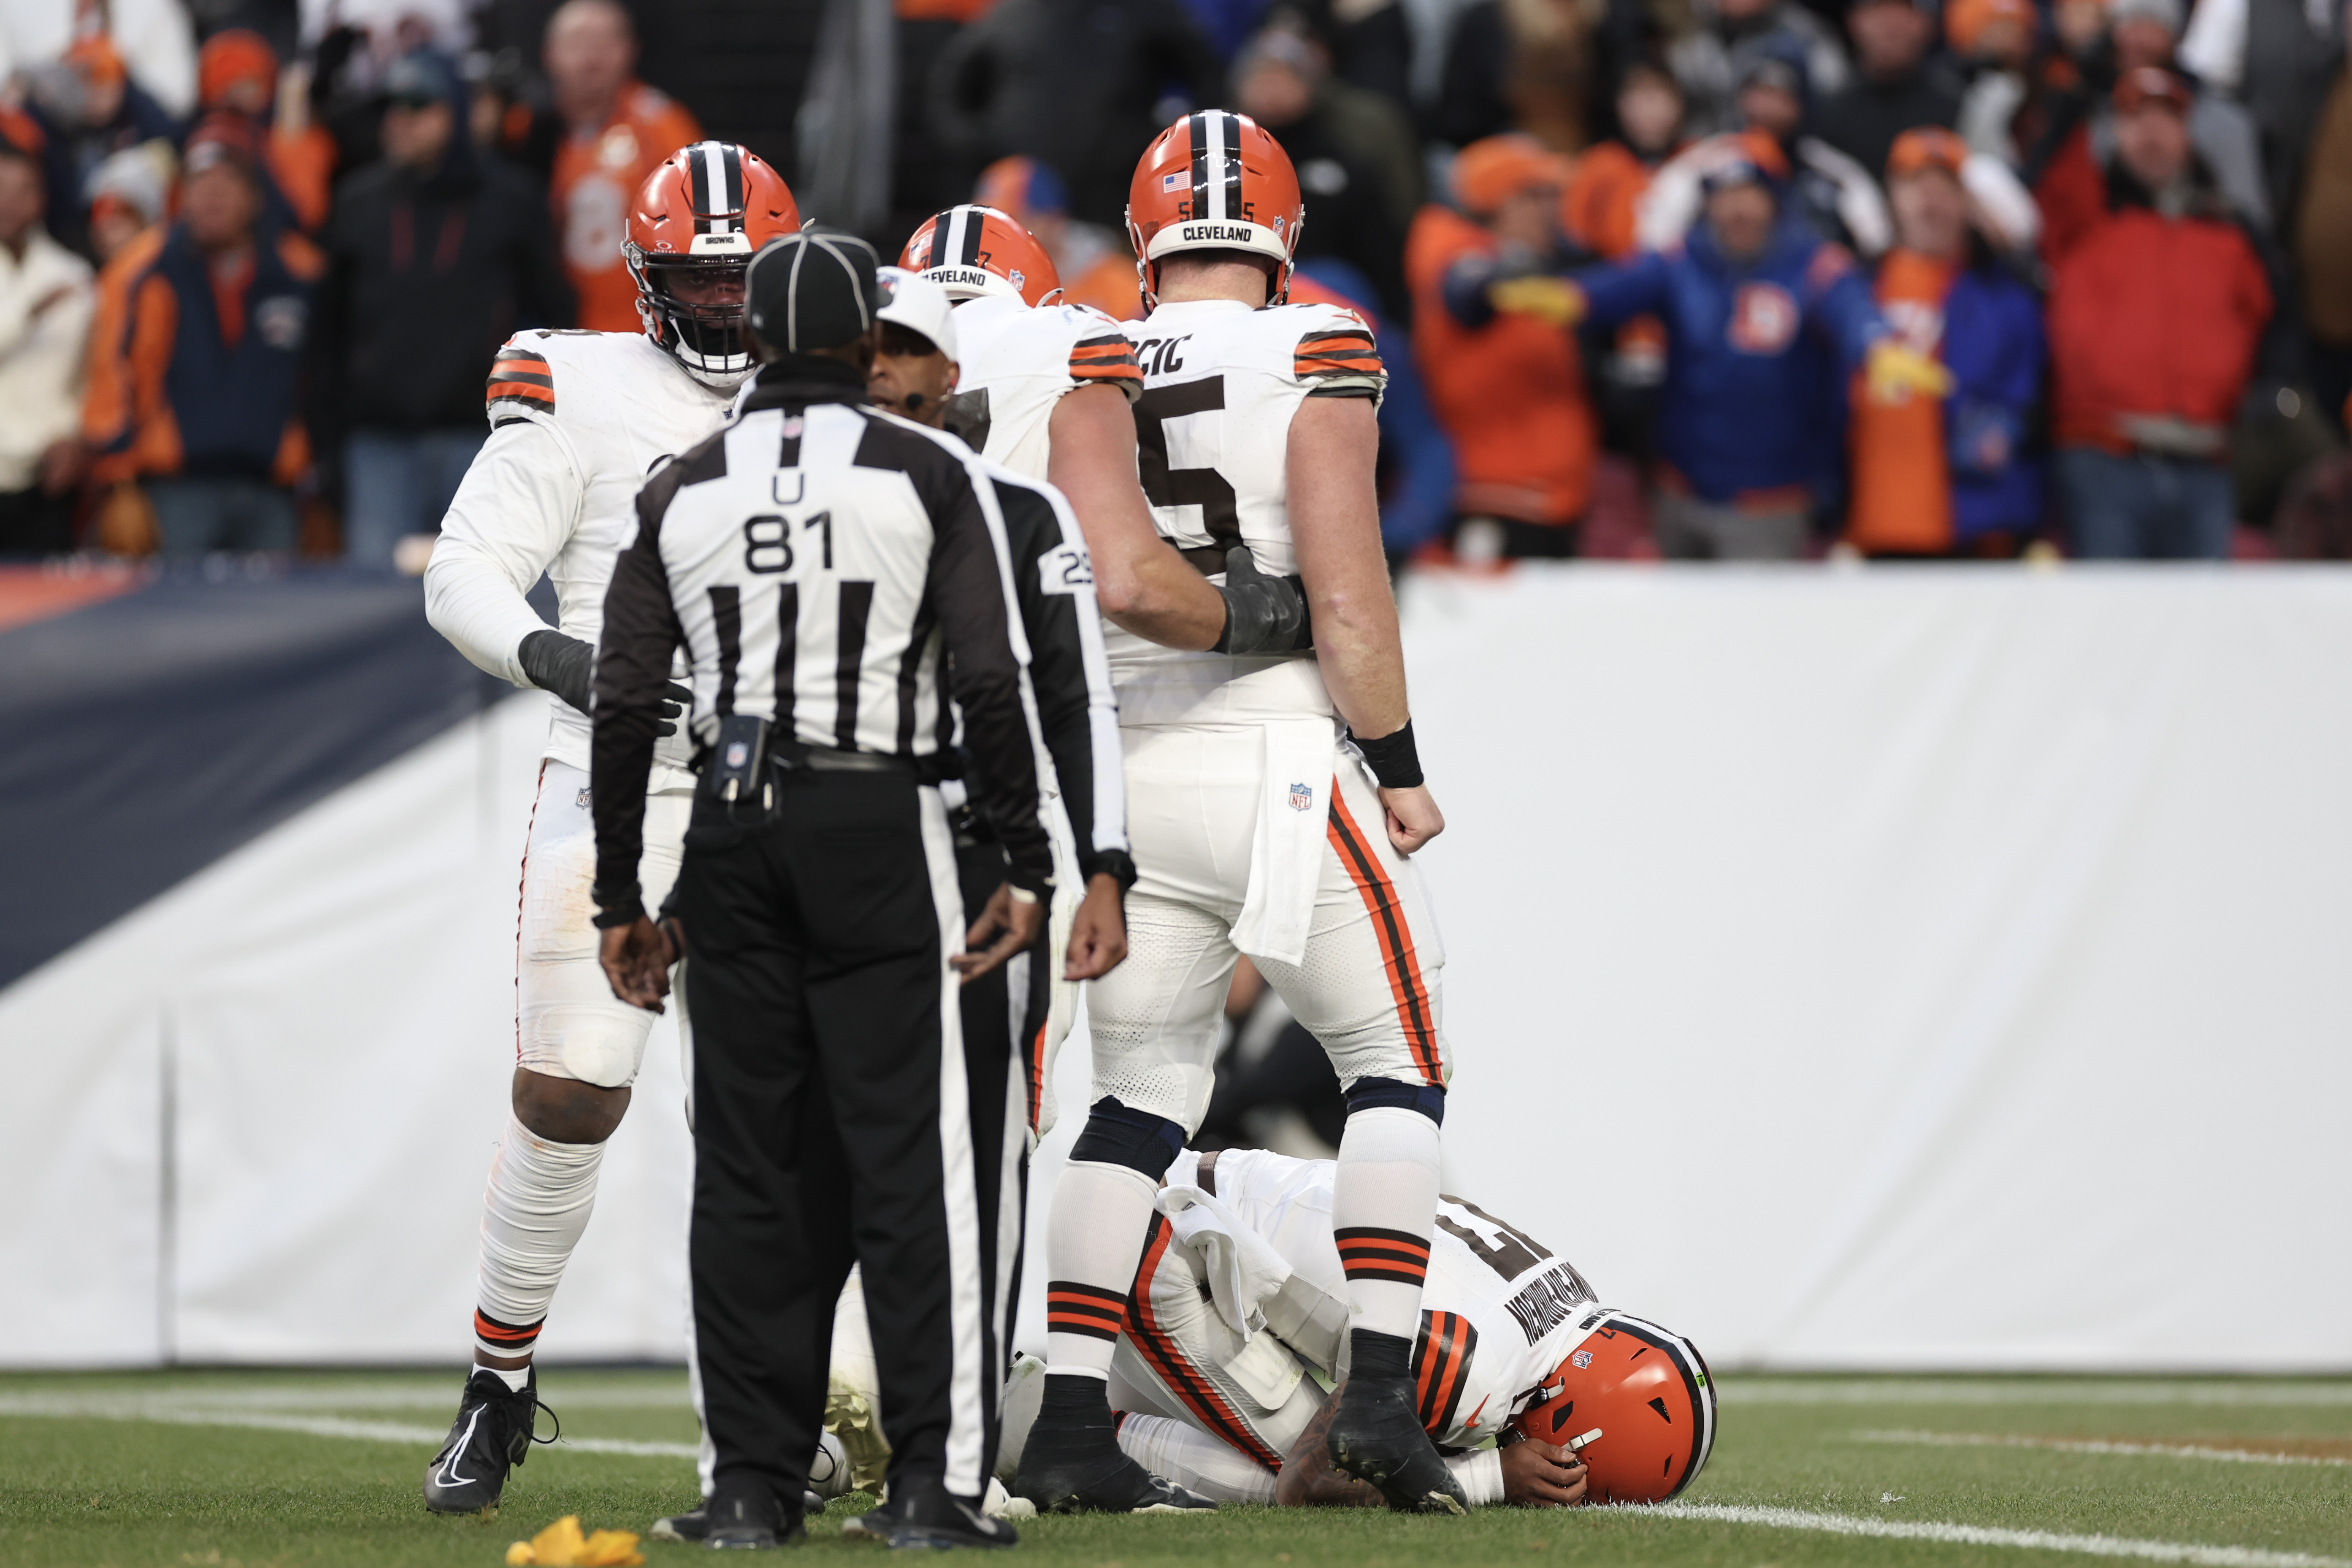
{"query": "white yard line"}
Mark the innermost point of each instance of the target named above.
(181, 1413)
(2091, 1445)
(1983, 1535)
(206, 1396)
(1765, 1390)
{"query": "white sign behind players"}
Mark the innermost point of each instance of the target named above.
(1909, 968)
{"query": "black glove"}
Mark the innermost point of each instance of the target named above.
(677, 701)
(1263, 614)
(565, 666)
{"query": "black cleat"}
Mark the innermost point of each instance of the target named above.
(938, 1520)
(874, 1524)
(691, 1526)
(1075, 1465)
(747, 1518)
(1377, 1437)
(695, 1524)
(492, 1435)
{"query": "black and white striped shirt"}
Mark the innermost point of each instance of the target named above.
(843, 573)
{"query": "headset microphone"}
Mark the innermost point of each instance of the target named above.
(913, 401)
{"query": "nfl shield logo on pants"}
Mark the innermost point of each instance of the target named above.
(1302, 797)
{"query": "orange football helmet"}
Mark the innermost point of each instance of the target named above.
(1215, 181)
(973, 251)
(1645, 1396)
(691, 234)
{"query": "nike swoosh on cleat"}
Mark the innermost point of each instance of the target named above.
(449, 1475)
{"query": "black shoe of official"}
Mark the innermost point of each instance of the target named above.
(1073, 1464)
(492, 1435)
(936, 1520)
(695, 1523)
(747, 1518)
(1376, 1435)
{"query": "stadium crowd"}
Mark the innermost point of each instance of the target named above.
(255, 259)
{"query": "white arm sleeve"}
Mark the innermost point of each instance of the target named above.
(1480, 1471)
(511, 517)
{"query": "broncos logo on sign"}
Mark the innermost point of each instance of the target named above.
(1764, 318)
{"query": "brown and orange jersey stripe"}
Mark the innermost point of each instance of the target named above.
(1109, 359)
(1342, 351)
(1441, 1367)
(520, 376)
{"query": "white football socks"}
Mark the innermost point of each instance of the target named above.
(1194, 1460)
(539, 1197)
(1383, 1205)
(1093, 1239)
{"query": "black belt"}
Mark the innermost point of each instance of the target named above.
(791, 756)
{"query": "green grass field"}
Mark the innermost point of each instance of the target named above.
(249, 1468)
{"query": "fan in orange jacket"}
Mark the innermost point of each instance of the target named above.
(618, 131)
(1507, 386)
(197, 353)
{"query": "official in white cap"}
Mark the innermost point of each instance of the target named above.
(915, 368)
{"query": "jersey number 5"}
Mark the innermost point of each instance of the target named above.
(1165, 487)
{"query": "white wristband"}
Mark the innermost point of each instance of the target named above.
(1021, 895)
(1480, 1471)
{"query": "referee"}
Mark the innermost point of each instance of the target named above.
(836, 574)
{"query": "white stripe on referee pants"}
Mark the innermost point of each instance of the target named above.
(968, 1374)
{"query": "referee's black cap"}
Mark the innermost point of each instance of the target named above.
(814, 288)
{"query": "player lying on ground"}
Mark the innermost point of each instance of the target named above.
(1236, 1332)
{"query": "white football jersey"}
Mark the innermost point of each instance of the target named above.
(1498, 1310)
(1221, 382)
(578, 420)
(1015, 363)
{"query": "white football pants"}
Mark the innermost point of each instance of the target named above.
(1368, 986)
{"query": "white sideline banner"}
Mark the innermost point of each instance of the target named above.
(1908, 967)
(1911, 968)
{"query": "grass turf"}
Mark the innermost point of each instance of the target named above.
(166, 1470)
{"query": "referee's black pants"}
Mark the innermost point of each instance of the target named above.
(1004, 1044)
(832, 1126)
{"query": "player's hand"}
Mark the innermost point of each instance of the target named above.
(1013, 923)
(1555, 301)
(1897, 373)
(1413, 817)
(636, 959)
(676, 702)
(1098, 933)
(563, 665)
(1542, 1475)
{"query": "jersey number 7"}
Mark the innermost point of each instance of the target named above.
(1168, 487)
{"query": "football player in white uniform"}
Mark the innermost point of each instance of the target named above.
(1254, 830)
(577, 420)
(1046, 389)
(1236, 1332)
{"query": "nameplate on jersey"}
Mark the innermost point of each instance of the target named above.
(1547, 1303)
(1066, 569)
(788, 486)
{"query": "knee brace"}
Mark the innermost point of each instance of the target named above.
(1370, 1093)
(1116, 1135)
